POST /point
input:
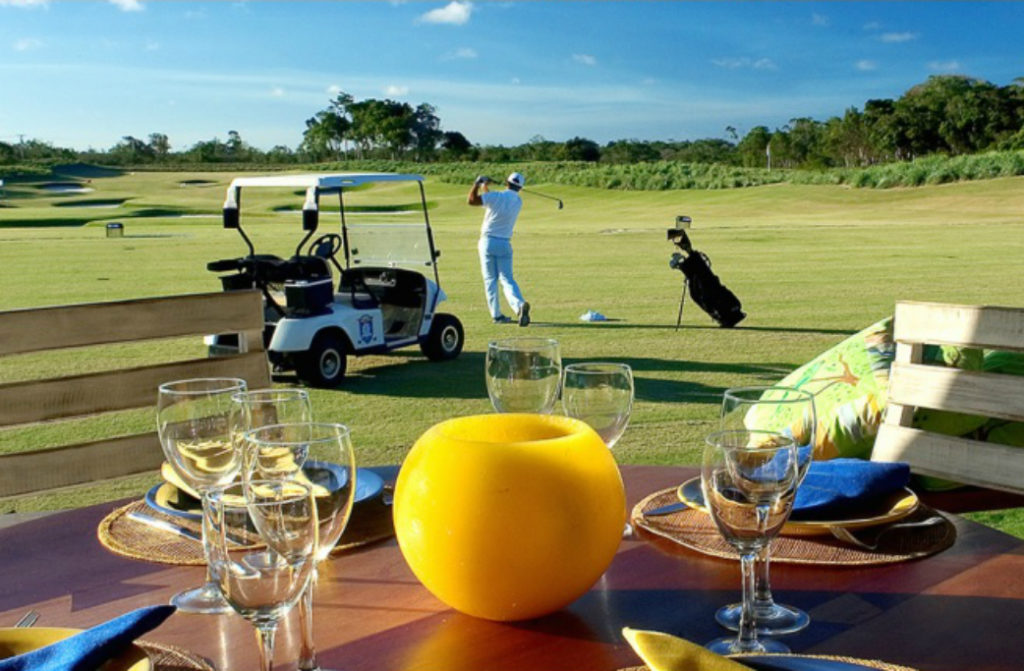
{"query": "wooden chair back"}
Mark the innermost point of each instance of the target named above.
(913, 384)
(76, 396)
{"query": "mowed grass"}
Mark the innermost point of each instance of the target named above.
(812, 265)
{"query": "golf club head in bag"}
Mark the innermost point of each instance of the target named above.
(706, 290)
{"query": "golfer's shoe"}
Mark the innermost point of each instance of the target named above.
(524, 314)
(502, 319)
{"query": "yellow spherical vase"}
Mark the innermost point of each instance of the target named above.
(509, 516)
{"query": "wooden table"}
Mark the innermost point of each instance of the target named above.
(962, 609)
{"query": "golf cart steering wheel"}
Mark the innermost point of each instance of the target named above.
(326, 246)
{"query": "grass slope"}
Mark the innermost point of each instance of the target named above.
(812, 264)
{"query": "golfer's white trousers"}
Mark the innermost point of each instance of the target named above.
(496, 265)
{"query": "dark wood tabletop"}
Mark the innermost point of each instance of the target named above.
(958, 610)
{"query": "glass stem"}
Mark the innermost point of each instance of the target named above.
(747, 638)
(762, 585)
(307, 651)
(265, 638)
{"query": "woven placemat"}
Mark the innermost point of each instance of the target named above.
(165, 657)
(870, 663)
(370, 522)
(694, 529)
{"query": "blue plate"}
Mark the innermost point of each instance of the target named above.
(168, 499)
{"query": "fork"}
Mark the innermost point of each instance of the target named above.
(28, 619)
(848, 537)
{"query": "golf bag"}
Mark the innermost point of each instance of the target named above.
(707, 290)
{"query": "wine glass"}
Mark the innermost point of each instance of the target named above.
(194, 424)
(749, 481)
(319, 454)
(262, 580)
(523, 374)
(600, 394)
(262, 407)
(791, 412)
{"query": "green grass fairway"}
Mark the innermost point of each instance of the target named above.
(812, 264)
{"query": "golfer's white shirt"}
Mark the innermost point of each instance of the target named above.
(501, 213)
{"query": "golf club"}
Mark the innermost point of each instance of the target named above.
(534, 193)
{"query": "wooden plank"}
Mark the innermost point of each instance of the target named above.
(27, 472)
(41, 400)
(969, 461)
(39, 329)
(895, 412)
(968, 325)
(956, 390)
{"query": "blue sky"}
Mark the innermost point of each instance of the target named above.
(85, 73)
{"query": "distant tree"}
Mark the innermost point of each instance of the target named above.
(628, 151)
(132, 150)
(426, 132)
(7, 153)
(455, 146)
(160, 145)
(581, 149)
(281, 154)
(752, 148)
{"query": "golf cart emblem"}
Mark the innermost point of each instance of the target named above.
(365, 329)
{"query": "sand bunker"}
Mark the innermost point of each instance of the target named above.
(65, 187)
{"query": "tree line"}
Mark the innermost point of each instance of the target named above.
(947, 114)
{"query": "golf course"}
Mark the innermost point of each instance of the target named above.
(812, 264)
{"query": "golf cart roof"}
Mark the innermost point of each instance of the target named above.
(324, 181)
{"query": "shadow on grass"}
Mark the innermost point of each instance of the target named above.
(619, 324)
(463, 378)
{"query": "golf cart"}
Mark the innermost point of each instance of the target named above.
(380, 300)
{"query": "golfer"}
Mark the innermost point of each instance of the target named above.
(495, 246)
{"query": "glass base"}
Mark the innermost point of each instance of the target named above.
(775, 620)
(730, 646)
(205, 600)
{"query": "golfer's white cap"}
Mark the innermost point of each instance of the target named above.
(517, 179)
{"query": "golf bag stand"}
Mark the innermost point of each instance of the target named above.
(704, 287)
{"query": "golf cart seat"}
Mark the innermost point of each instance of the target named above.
(352, 286)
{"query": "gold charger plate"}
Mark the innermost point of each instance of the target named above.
(892, 508)
(19, 640)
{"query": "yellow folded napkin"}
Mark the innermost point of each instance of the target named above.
(663, 652)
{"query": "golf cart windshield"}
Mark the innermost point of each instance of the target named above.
(382, 222)
(389, 245)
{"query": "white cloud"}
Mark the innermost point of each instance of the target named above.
(127, 5)
(394, 90)
(819, 20)
(944, 66)
(333, 90)
(872, 25)
(744, 62)
(27, 44)
(454, 13)
(895, 38)
(585, 59)
(866, 65)
(461, 54)
(25, 4)
(277, 92)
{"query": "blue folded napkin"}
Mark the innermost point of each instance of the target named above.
(836, 488)
(87, 650)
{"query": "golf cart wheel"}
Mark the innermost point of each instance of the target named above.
(445, 339)
(324, 364)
